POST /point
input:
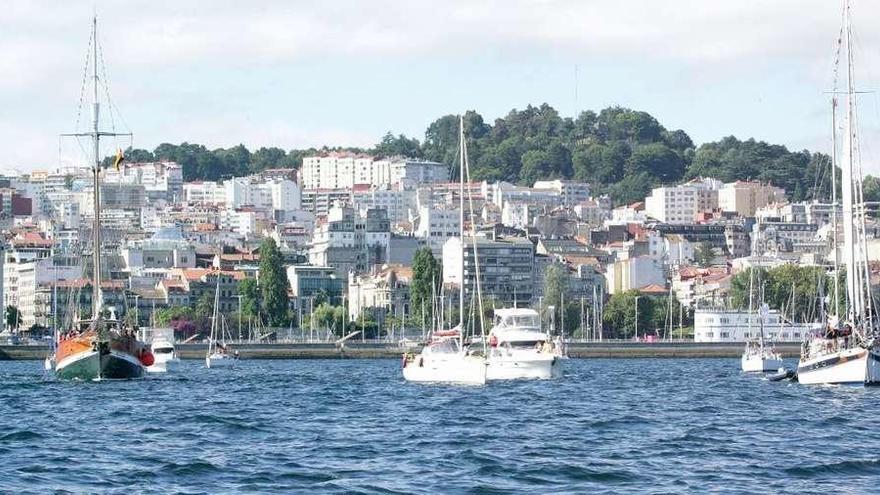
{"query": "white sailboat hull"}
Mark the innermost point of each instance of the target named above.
(454, 368)
(760, 364)
(856, 366)
(219, 361)
(523, 365)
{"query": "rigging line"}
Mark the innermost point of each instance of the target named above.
(110, 102)
(82, 89)
(836, 64)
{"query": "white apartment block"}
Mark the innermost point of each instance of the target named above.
(161, 180)
(634, 273)
(571, 192)
(398, 202)
(682, 203)
(345, 170)
(744, 198)
(436, 226)
(502, 192)
(204, 192)
(349, 241)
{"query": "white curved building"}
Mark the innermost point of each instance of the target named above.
(730, 325)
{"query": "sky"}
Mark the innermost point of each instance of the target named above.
(296, 74)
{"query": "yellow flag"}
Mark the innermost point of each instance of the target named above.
(119, 157)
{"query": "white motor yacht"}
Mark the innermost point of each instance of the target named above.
(164, 354)
(445, 360)
(518, 348)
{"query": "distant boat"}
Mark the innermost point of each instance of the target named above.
(759, 355)
(519, 349)
(161, 341)
(847, 351)
(219, 354)
(100, 346)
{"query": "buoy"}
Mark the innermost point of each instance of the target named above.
(147, 358)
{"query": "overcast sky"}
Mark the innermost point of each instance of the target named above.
(298, 74)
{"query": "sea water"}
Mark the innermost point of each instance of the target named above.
(354, 426)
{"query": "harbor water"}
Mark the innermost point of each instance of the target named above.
(354, 426)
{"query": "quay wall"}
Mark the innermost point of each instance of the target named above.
(366, 350)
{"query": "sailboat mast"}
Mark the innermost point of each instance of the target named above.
(834, 205)
(461, 152)
(854, 300)
(97, 301)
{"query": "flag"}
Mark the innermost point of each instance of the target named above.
(119, 157)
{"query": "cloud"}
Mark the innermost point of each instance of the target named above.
(186, 54)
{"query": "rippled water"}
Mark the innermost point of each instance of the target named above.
(627, 426)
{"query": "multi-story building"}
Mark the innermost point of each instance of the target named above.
(319, 201)
(506, 268)
(682, 203)
(204, 192)
(345, 170)
(571, 192)
(165, 249)
(398, 202)
(775, 237)
(634, 273)
(503, 192)
(436, 226)
(745, 197)
(161, 180)
(385, 293)
(308, 282)
(349, 241)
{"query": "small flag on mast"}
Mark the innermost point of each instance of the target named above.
(120, 156)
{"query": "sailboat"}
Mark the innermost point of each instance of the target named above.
(847, 351)
(99, 347)
(218, 354)
(759, 355)
(446, 358)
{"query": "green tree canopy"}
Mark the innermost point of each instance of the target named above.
(426, 282)
(273, 283)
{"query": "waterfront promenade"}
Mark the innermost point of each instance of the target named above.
(383, 349)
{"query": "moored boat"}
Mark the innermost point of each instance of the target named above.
(99, 347)
(847, 351)
(519, 349)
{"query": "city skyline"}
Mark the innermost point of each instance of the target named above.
(343, 74)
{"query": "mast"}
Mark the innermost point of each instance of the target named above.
(95, 135)
(854, 301)
(97, 296)
(836, 293)
(461, 159)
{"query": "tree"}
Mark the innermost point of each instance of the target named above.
(704, 254)
(426, 281)
(792, 289)
(618, 315)
(205, 304)
(556, 284)
(250, 298)
(327, 317)
(13, 317)
(400, 145)
(658, 160)
(273, 283)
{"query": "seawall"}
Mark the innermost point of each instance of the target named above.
(368, 350)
